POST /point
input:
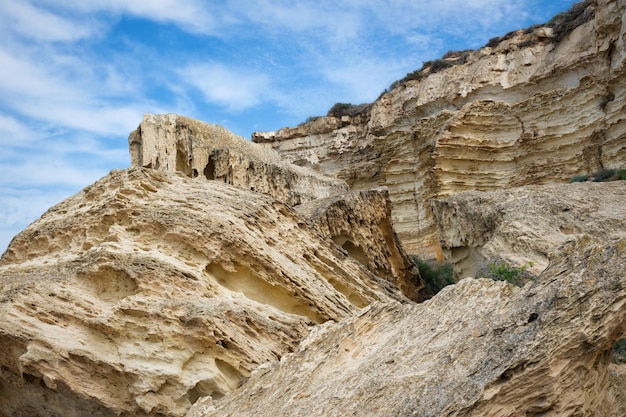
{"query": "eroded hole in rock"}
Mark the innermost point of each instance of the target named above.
(209, 169)
(226, 379)
(182, 163)
(353, 250)
(244, 281)
(108, 284)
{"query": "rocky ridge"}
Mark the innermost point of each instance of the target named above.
(152, 288)
(528, 109)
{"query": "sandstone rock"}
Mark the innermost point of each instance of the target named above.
(361, 224)
(528, 110)
(523, 225)
(200, 150)
(478, 348)
(148, 290)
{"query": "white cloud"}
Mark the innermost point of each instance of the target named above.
(27, 20)
(233, 88)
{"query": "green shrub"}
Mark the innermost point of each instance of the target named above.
(435, 275)
(563, 23)
(499, 270)
(348, 109)
(603, 175)
(619, 352)
(579, 178)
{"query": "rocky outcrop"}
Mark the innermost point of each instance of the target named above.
(168, 142)
(148, 290)
(536, 107)
(361, 224)
(523, 225)
(478, 348)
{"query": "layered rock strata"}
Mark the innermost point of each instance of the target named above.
(523, 225)
(478, 348)
(530, 109)
(168, 142)
(149, 290)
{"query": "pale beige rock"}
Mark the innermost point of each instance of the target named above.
(479, 348)
(361, 224)
(168, 142)
(523, 225)
(526, 111)
(148, 290)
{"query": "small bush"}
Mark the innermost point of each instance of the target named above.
(579, 178)
(603, 175)
(499, 270)
(563, 23)
(619, 352)
(348, 109)
(435, 275)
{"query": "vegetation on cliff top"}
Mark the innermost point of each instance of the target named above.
(561, 24)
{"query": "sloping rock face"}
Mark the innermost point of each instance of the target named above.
(531, 109)
(478, 348)
(149, 289)
(172, 143)
(361, 224)
(523, 225)
(168, 142)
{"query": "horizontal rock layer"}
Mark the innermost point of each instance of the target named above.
(524, 111)
(148, 290)
(478, 348)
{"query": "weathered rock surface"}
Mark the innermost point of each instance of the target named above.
(148, 290)
(527, 110)
(168, 142)
(523, 225)
(478, 348)
(360, 222)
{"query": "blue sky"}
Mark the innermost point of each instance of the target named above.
(77, 76)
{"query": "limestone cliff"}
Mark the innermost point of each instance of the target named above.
(538, 106)
(479, 348)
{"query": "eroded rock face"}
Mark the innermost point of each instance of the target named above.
(523, 225)
(360, 222)
(149, 289)
(478, 348)
(528, 110)
(168, 142)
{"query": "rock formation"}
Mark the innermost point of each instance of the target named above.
(215, 277)
(538, 106)
(478, 348)
(169, 142)
(523, 225)
(151, 288)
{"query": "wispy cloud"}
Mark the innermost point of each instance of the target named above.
(234, 88)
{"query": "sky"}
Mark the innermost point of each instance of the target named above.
(76, 77)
